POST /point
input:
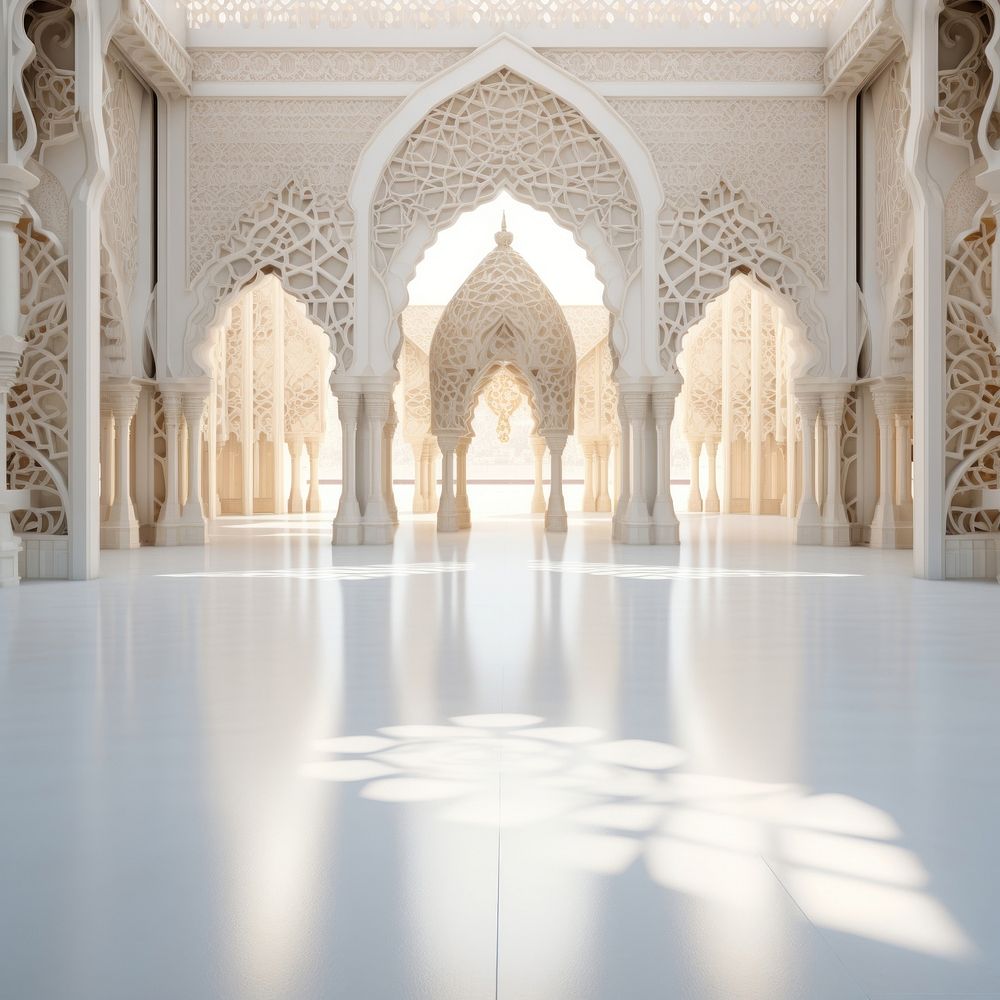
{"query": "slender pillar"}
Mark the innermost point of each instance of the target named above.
(727, 405)
(447, 515)
(168, 523)
(538, 497)
(313, 502)
(883, 530)
(193, 514)
(636, 520)
(347, 524)
(603, 500)
(107, 457)
(462, 483)
(388, 435)
(296, 504)
(836, 526)
(419, 478)
(904, 482)
(695, 503)
(666, 530)
(555, 514)
(589, 449)
(712, 504)
(120, 529)
(15, 183)
(807, 526)
(377, 521)
(756, 443)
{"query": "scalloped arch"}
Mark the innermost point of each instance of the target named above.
(305, 240)
(706, 246)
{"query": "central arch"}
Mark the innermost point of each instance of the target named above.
(507, 119)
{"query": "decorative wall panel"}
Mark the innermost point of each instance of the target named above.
(774, 149)
(240, 149)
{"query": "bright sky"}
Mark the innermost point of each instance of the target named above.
(546, 246)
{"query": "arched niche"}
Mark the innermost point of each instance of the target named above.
(594, 177)
(305, 241)
(705, 247)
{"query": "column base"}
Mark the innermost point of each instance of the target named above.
(447, 522)
(666, 534)
(891, 536)
(10, 544)
(603, 505)
(9, 575)
(538, 505)
(179, 533)
(635, 534)
(296, 506)
(464, 520)
(556, 522)
(377, 533)
(347, 534)
(836, 535)
(120, 536)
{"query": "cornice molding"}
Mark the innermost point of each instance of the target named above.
(148, 44)
(863, 49)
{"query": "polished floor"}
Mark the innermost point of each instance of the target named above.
(500, 765)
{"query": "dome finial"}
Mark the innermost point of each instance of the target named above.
(504, 238)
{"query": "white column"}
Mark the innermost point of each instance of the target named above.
(347, 524)
(756, 400)
(807, 526)
(388, 435)
(447, 515)
(555, 514)
(15, 183)
(538, 497)
(603, 500)
(419, 477)
(193, 515)
(727, 405)
(121, 528)
(712, 504)
(462, 483)
(168, 523)
(377, 523)
(636, 521)
(695, 502)
(666, 530)
(589, 449)
(107, 456)
(278, 490)
(836, 526)
(929, 394)
(296, 505)
(904, 480)
(249, 436)
(883, 530)
(313, 502)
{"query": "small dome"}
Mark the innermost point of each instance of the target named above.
(502, 314)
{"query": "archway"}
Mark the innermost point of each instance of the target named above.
(506, 119)
(502, 318)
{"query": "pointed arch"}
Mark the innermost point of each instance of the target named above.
(559, 147)
(305, 240)
(706, 246)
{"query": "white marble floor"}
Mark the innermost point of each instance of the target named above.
(500, 765)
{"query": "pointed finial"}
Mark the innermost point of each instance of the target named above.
(504, 238)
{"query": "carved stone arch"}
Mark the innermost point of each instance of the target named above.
(558, 147)
(706, 246)
(114, 342)
(302, 238)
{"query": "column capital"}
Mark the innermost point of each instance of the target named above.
(11, 352)
(448, 440)
(663, 405)
(193, 404)
(15, 183)
(170, 400)
(121, 397)
(556, 441)
(892, 397)
(635, 401)
(377, 404)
